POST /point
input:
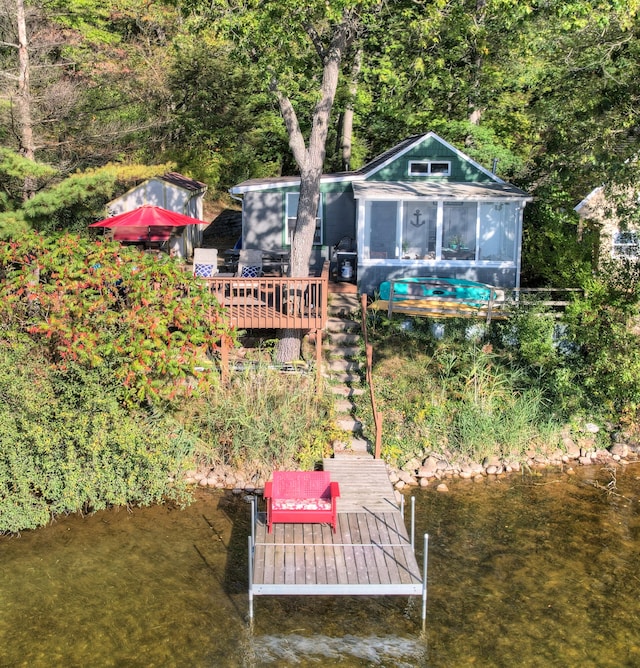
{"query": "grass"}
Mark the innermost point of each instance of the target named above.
(263, 419)
(455, 396)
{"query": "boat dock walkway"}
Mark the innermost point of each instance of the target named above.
(370, 554)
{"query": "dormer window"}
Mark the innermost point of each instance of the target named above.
(429, 168)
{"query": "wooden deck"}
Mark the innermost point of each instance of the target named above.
(273, 302)
(370, 554)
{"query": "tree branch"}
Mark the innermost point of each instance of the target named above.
(296, 139)
(316, 40)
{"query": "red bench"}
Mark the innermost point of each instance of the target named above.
(301, 496)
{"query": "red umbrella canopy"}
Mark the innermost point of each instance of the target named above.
(148, 216)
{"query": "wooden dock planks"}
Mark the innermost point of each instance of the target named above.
(369, 554)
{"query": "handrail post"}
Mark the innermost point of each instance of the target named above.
(254, 516)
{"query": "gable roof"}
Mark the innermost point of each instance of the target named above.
(372, 167)
(578, 207)
(182, 181)
(408, 144)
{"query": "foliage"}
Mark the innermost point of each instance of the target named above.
(604, 327)
(223, 134)
(67, 445)
(533, 374)
(101, 305)
(79, 199)
(455, 397)
(553, 251)
(264, 418)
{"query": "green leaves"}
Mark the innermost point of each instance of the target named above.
(67, 445)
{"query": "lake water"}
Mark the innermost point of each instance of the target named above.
(523, 571)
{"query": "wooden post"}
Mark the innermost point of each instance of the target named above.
(318, 334)
(224, 359)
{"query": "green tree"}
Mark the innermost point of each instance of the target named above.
(300, 47)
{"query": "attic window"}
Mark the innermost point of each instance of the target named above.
(429, 168)
(626, 245)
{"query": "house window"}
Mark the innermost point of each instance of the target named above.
(419, 230)
(292, 213)
(626, 244)
(429, 168)
(497, 238)
(459, 223)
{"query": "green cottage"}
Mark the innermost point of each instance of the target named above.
(423, 208)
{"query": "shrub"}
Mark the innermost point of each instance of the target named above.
(67, 444)
(102, 305)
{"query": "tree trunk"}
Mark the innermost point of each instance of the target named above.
(27, 146)
(310, 161)
(347, 121)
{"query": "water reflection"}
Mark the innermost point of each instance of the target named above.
(527, 571)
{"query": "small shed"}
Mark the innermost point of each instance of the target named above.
(174, 192)
(422, 208)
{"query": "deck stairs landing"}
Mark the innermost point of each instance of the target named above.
(342, 347)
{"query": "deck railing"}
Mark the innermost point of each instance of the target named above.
(274, 302)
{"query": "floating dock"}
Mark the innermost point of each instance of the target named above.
(370, 554)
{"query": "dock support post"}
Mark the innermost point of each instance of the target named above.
(402, 506)
(250, 580)
(413, 523)
(254, 515)
(424, 581)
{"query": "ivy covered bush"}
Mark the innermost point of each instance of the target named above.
(101, 305)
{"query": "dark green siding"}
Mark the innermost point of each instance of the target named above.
(462, 171)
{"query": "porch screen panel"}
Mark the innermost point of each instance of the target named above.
(419, 222)
(498, 225)
(459, 230)
(380, 229)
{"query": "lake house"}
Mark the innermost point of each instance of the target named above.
(423, 208)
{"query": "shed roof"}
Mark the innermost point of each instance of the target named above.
(380, 190)
(182, 181)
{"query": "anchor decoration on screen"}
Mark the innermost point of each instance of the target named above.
(417, 222)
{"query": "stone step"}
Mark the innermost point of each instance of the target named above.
(343, 338)
(359, 445)
(345, 377)
(356, 448)
(344, 406)
(342, 325)
(347, 423)
(346, 391)
(340, 300)
(344, 364)
(344, 352)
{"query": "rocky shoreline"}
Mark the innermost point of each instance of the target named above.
(436, 468)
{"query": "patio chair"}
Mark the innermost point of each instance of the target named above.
(205, 262)
(249, 263)
(249, 266)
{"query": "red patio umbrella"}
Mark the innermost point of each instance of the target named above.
(146, 223)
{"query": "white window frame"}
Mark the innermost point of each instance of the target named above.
(618, 247)
(290, 218)
(429, 164)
